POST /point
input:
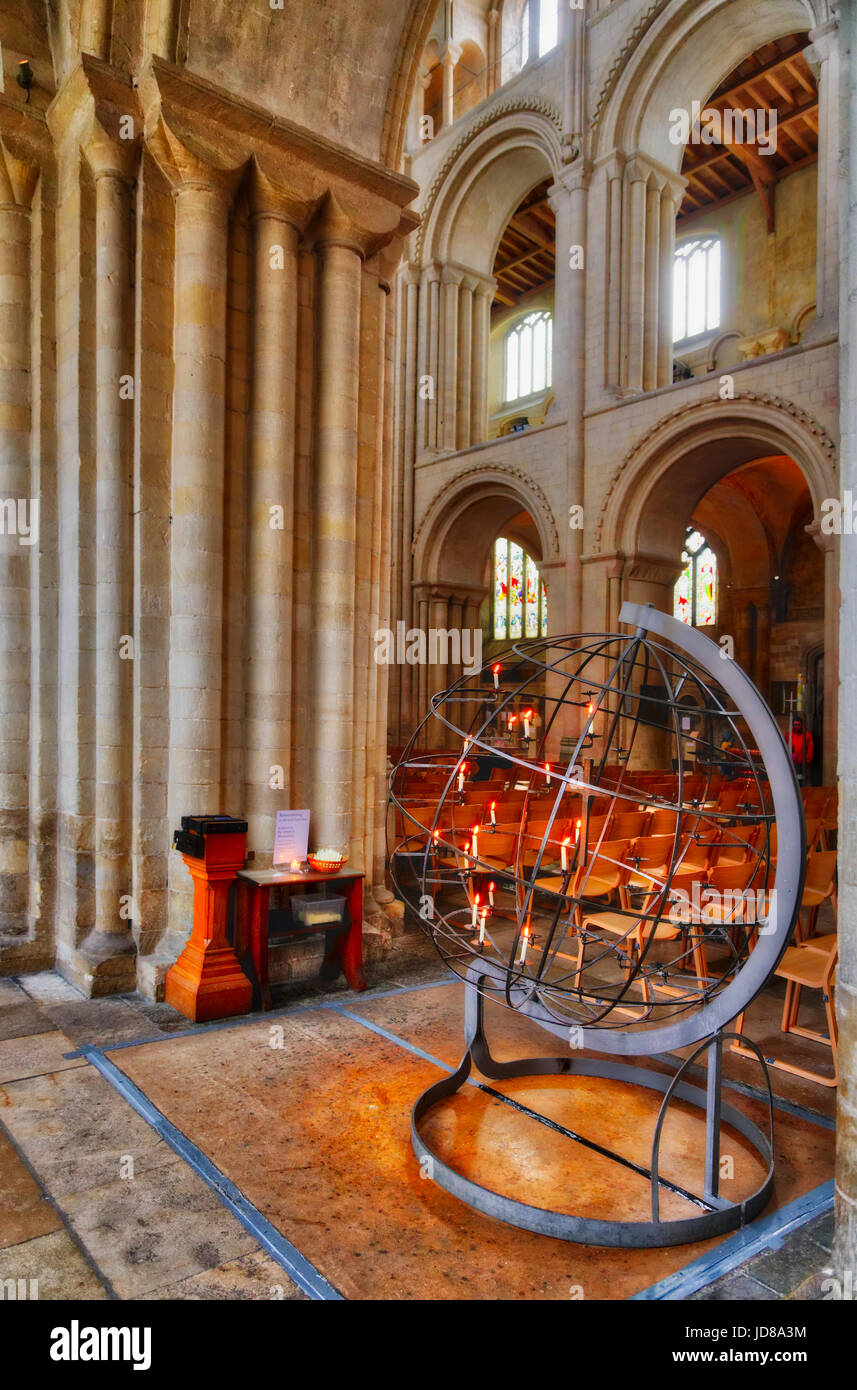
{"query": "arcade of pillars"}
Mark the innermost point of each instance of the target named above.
(209, 308)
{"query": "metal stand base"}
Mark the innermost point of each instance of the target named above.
(717, 1215)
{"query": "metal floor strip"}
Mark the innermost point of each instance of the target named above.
(296, 1265)
(765, 1233)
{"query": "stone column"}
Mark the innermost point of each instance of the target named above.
(109, 951)
(276, 221)
(449, 57)
(202, 196)
(421, 613)
(823, 59)
(482, 297)
(651, 342)
(845, 1242)
(465, 361)
(339, 250)
(830, 547)
(433, 324)
(411, 413)
(666, 245)
(17, 541)
(613, 359)
(451, 280)
(636, 300)
(650, 580)
(494, 50)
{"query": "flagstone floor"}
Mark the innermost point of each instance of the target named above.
(306, 1111)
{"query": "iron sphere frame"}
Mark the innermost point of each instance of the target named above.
(702, 1020)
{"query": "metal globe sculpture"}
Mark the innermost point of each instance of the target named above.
(604, 833)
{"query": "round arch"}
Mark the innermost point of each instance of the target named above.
(654, 491)
(682, 56)
(481, 184)
(456, 533)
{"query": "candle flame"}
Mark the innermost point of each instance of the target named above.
(496, 668)
(491, 887)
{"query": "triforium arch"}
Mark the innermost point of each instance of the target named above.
(661, 484)
(445, 340)
(681, 56)
(451, 562)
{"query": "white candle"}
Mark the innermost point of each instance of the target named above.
(548, 771)
(564, 854)
(496, 677)
(577, 833)
(522, 959)
(474, 912)
(461, 781)
(526, 725)
(475, 842)
(491, 894)
(493, 817)
(482, 925)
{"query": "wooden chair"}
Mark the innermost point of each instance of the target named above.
(628, 825)
(663, 823)
(638, 934)
(805, 967)
(819, 886)
(736, 842)
(651, 856)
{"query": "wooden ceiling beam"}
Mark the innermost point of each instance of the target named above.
(763, 71)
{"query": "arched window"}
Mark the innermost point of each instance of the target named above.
(548, 14)
(520, 600)
(528, 353)
(695, 593)
(696, 287)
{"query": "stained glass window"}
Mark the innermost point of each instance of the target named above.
(695, 593)
(529, 356)
(516, 590)
(696, 287)
(520, 598)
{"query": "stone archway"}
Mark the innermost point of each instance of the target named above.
(660, 485)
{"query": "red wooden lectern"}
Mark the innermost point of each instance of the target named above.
(206, 980)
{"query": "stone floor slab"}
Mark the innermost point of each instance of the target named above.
(36, 1055)
(24, 1211)
(156, 1229)
(56, 1264)
(255, 1276)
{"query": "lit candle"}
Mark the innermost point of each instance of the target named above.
(295, 866)
(461, 773)
(522, 959)
(548, 773)
(577, 833)
(528, 714)
(474, 912)
(496, 677)
(564, 853)
(482, 925)
(491, 893)
(475, 842)
(493, 817)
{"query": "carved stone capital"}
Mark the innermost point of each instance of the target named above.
(18, 179)
(268, 198)
(184, 167)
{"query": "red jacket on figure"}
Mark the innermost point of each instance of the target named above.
(799, 736)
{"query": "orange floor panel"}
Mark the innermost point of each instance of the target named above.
(309, 1115)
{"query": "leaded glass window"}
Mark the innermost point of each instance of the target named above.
(520, 598)
(695, 593)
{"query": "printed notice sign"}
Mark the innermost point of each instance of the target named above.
(291, 837)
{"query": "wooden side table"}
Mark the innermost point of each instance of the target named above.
(344, 944)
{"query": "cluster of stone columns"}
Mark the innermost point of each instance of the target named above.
(447, 330)
(641, 204)
(269, 276)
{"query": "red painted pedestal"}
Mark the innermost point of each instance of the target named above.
(207, 981)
